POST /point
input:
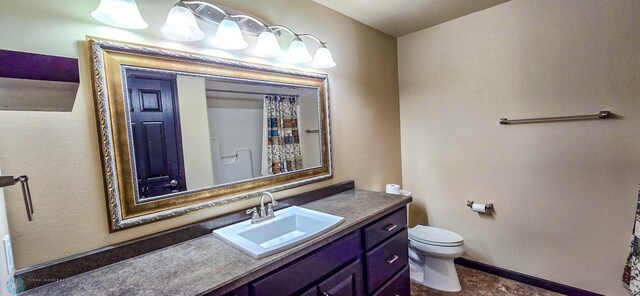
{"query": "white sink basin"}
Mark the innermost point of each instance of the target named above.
(291, 226)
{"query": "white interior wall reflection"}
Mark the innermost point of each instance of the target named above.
(308, 119)
(192, 102)
(236, 126)
(224, 136)
(235, 135)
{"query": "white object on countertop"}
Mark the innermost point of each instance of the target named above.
(406, 192)
(393, 189)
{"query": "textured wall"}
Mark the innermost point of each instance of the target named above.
(59, 151)
(194, 126)
(564, 193)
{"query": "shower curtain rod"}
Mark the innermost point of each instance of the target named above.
(248, 92)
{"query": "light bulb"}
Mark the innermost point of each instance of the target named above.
(298, 52)
(323, 58)
(229, 36)
(181, 25)
(120, 13)
(267, 45)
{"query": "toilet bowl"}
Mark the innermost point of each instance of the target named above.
(431, 254)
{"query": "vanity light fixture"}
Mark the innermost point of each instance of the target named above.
(181, 25)
(267, 45)
(298, 52)
(120, 13)
(229, 35)
(323, 58)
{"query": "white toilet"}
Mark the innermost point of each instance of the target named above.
(431, 253)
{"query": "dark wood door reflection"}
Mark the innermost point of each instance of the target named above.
(155, 126)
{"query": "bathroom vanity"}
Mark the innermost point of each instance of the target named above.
(367, 254)
(372, 260)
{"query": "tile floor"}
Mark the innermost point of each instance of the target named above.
(477, 283)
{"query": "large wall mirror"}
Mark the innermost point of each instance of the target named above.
(181, 132)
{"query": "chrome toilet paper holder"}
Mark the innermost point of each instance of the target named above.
(487, 207)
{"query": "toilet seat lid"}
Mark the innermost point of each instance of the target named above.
(435, 236)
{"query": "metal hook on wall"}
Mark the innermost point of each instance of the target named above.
(6, 181)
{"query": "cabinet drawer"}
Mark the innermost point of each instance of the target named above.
(398, 286)
(295, 277)
(386, 260)
(384, 228)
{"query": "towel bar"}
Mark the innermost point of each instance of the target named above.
(600, 115)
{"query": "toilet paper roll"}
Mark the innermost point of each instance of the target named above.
(479, 207)
(393, 189)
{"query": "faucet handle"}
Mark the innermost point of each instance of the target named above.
(254, 214)
(270, 210)
(253, 210)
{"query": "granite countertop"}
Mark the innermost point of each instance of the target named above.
(208, 264)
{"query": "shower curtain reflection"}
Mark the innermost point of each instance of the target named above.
(283, 139)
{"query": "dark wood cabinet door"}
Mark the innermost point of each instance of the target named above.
(345, 282)
(156, 135)
(398, 286)
(311, 292)
(303, 273)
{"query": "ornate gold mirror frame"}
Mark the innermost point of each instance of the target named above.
(108, 61)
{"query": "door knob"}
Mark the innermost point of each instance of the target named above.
(173, 183)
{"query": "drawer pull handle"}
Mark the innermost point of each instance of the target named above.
(393, 259)
(325, 294)
(390, 227)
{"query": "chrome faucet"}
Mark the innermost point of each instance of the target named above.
(265, 213)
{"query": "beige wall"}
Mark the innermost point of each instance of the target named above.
(5, 274)
(194, 125)
(565, 193)
(59, 151)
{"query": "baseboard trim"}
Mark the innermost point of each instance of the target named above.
(526, 279)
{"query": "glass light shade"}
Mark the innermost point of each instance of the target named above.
(267, 45)
(229, 36)
(181, 25)
(298, 52)
(120, 13)
(323, 58)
